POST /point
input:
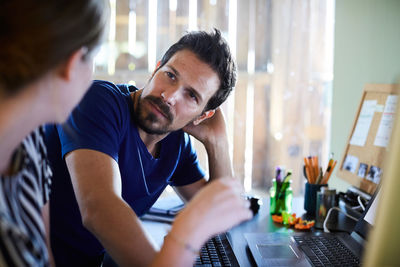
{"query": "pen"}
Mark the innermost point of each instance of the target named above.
(327, 173)
(326, 179)
(328, 168)
(319, 176)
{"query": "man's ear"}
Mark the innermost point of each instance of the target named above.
(67, 68)
(206, 115)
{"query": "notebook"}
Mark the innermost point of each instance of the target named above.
(165, 209)
(305, 249)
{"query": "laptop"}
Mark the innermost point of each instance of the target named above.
(310, 249)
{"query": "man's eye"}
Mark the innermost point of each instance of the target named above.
(192, 95)
(170, 75)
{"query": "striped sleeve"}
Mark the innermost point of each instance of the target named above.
(22, 196)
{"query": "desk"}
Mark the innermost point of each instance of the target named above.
(262, 222)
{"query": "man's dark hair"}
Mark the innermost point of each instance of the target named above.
(213, 50)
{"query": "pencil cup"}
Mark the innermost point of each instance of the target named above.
(281, 195)
(310, 197)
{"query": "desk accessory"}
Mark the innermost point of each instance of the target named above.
(281, 194)
(310, 197)
(254, 204)
(316, 179)
(313, 172)
(326, 199)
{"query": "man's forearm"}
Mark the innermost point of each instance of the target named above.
(219, 161)
(97, 185)
(219, 164)
(120, 232)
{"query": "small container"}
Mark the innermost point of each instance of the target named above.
(310, 197)
(326, 199)
(281, 196)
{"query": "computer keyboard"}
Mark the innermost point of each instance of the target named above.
(216, 252)
(326, 251)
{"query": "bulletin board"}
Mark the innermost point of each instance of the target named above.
(362, 161)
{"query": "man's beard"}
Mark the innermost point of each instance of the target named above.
(145, 122)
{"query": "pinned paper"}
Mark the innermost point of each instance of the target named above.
(374, 174)
(386, 125)
(362, 170)
(363, 123)
(350, 163)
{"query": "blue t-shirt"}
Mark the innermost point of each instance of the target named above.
(103, 121)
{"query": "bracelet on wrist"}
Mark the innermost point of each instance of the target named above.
(183, 244)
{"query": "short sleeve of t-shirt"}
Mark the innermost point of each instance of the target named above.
(188, 169)
(97, 122)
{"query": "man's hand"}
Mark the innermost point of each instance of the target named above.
(209, 129)
(215, 209)
(219, 206)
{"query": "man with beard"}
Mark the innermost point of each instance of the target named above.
(122, 146)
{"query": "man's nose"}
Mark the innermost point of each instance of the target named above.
(170, 96)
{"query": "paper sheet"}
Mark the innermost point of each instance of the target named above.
(374, 174)
(350, 163)
(370, 216)
(363, 123)
(385, 126)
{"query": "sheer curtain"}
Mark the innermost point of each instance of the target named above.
(301, 82)
(280, 109)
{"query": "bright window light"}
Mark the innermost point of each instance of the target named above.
(152, 35)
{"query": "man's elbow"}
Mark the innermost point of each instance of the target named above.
(97, 213)
(90, 217)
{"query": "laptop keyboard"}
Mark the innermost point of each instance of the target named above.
(326, 251)
(216, 252)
